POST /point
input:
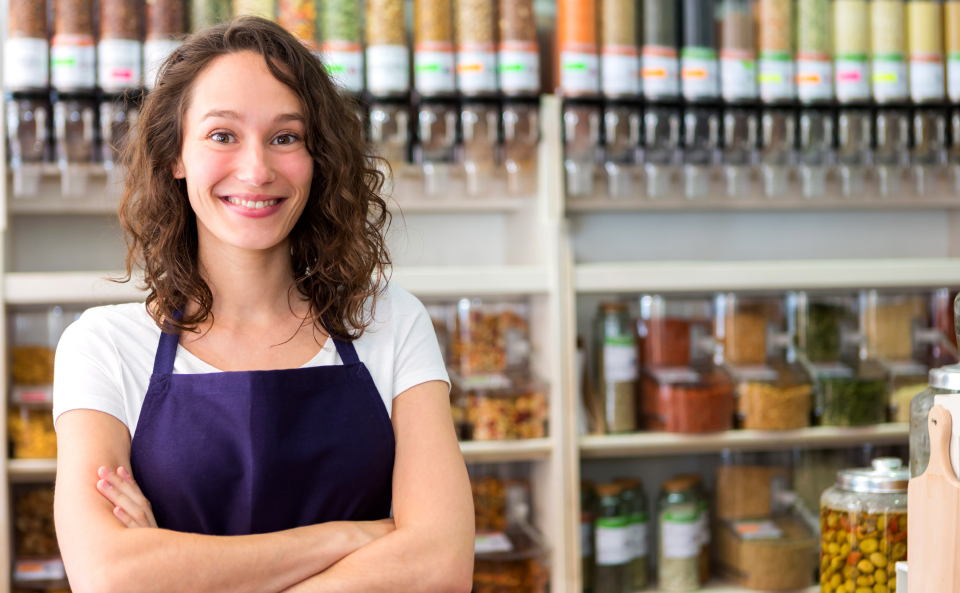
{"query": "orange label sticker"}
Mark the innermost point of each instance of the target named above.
(654, 73)
(694, 73)
(807, 78)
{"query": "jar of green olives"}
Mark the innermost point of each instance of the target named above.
(863, 528)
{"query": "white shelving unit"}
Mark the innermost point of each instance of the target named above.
(530, 247)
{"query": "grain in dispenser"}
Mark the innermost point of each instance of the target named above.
(388, 57)
(72, 52)
(207, 13)
(119, 59)
(341, 47)
(261, 8)
(814, 68)
(851, 46)
(775, 38)
(660, 62)
(518, 53)
(951, 36)
(888, 50)
(620, 56)
(577, 42)
(699, 70)
(476, 47)
(925, 48)
(166, 25)
(738, 57)
(300, 18)
(433, 59)
(26, 50)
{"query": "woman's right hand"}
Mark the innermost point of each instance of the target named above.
(130, 506)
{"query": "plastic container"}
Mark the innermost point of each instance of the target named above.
(577, 41)
(622, 140)
(863, 526)
(341, 47)
(476, 30)
(28, 138)
(518, 50)
(613, 539)
(891, 153)
(206, 13)
(75, 131)
(72, 52)
(826, 326)
(388, 57)
(31, 432)
(925, 50)
(620, 49)
(436, 150)
(490, 338)
(521, 135)
(660, 63)
(699, 70)
(500, 410)
(27, 51)
(888, 49)
(775, 37)
(35, 532)
(616, 366)
(701, 150)
(166, 25)
(662, 150)
(479, 125)
(738, 45)
(117, 125)
(943, 381)
(581, 137)
(433, 59)
(854, 133)
(851, 46)
(390, 132)
(680, 536)
(681, 399)
(814, 66)
(741, 129)
(778, 154)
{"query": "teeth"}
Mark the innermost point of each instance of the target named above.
(251, 204)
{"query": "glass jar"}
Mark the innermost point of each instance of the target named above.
(588, 514)
(681, 399)
(519, 51)
(671, 330)
(943, 381)
(31, 432)
(826, 326)
(479, 126)
(35, 532)
(924, 25)
(341, 47)
(775, 39)
(814, 68)
(388, 57)
(620, 49)
(888, 48)
(863, 527)
(616, 366)
(476, 28)
(521, 134)
(659, 61)
(612, 531)
(433, 58)
(635, 497)
(704, 521)
(490, 338)
(75, 131)
(28, 137)
(680, 543)
(500, 409)
(27, 51)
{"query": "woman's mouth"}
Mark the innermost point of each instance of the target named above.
(253, 208)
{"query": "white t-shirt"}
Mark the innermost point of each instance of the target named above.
(104, 360)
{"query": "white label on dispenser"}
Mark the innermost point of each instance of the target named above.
(660, 72)
(814, 79)
(620, 70)
(889, 79)
(853, 79)
(681, 534)
(738, 75)
(613, 541)
(118, 64)
(155, 52)
(953, 77)
(579, 72)
(926, 78)
(344, 63)
(519, 68)
(433, 70)
(26, 64)
(776, 76)
(619, 361)
(72, 62)
(476, 70)
(952, 404)
(388, 69)
(699, 73)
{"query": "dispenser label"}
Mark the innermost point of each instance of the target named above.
(853, 78)
(344, 63)
(118, 64)
(953, 77)
(660, 72)
(814, 79)
(620, 70)
(699, 73)
(154, 54)
(926, 78)
(889, 78)
(26, 64)
(579, 72)
(433, 68)
(476, 69)
(613, 541)
(519, 68)
(388, 69)
(72, 62)
(738, 75)
(776, 76)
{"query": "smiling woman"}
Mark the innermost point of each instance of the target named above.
(276, 416)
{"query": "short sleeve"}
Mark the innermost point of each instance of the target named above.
(86, 371)
(417, 352)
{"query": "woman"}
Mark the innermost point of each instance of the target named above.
(255, 424)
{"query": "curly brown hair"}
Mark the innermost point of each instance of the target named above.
(340, 260)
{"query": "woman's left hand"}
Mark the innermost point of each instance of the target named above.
(130, 506)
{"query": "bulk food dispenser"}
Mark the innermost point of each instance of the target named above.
(700, 87)
(775, 20)
(620, 86)
(660, 81)
(927, 92)
(888, 48)
(854, 126)
(815, 90)
(738, 87)
(682, 389)
(519, 79)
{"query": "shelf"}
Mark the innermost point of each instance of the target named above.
(766, 275)
(680, 204)
(493, 451)
(31, 470)
(452, 281)
(656, 444)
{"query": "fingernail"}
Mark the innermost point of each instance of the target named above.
(123, 472)
(118, 510)
(105, 484)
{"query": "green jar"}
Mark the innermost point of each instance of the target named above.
(681, 535)
(612, 537)
(636, 498)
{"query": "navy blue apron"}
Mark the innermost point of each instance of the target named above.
(236, 453)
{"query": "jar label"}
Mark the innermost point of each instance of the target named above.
(889, 78)
(619, 360)
(641, 529)
(586, 539)
(388, 69)
(660, 72)
(681, 534)
(519, 70)
(118, 64)
(154, 53)
(814, 79)
(620, 70)
(926, 78)
(72, 62)
(613, 541)
(776, 76)
(26, 64)
(853, 78)
(699, 73)
(953, 77)
(433, 70)
(477, 70)
(344, 64)
(738, 75)
(488, 543)
(579, 72)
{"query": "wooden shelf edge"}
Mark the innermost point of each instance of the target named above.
(656, 444)
(494, 451)
(31, 470)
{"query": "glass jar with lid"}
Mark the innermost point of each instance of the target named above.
(680, 535)
(863, 527)
(616, 366)
(612, 533)
(943, 381)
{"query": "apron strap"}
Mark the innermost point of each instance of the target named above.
(348, 354)
(167, 349)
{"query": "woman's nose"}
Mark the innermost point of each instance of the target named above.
(254, 167)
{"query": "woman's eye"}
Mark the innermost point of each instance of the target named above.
(285, 139)
(222, 137)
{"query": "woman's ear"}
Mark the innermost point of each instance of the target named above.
(178, 172)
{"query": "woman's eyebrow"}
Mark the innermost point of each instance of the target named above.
(231, 114)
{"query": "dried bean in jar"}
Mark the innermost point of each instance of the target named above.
(119, 19)
(433, 21)
(165, 19)
(28, 18)
(340, 20)
(517, 21)
(73, 17)
(385, 22)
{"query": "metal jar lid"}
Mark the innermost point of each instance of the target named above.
(886, 476)
(946, 377)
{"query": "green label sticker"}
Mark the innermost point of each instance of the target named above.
(612, 522)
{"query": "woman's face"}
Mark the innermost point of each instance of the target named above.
(246, 166)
